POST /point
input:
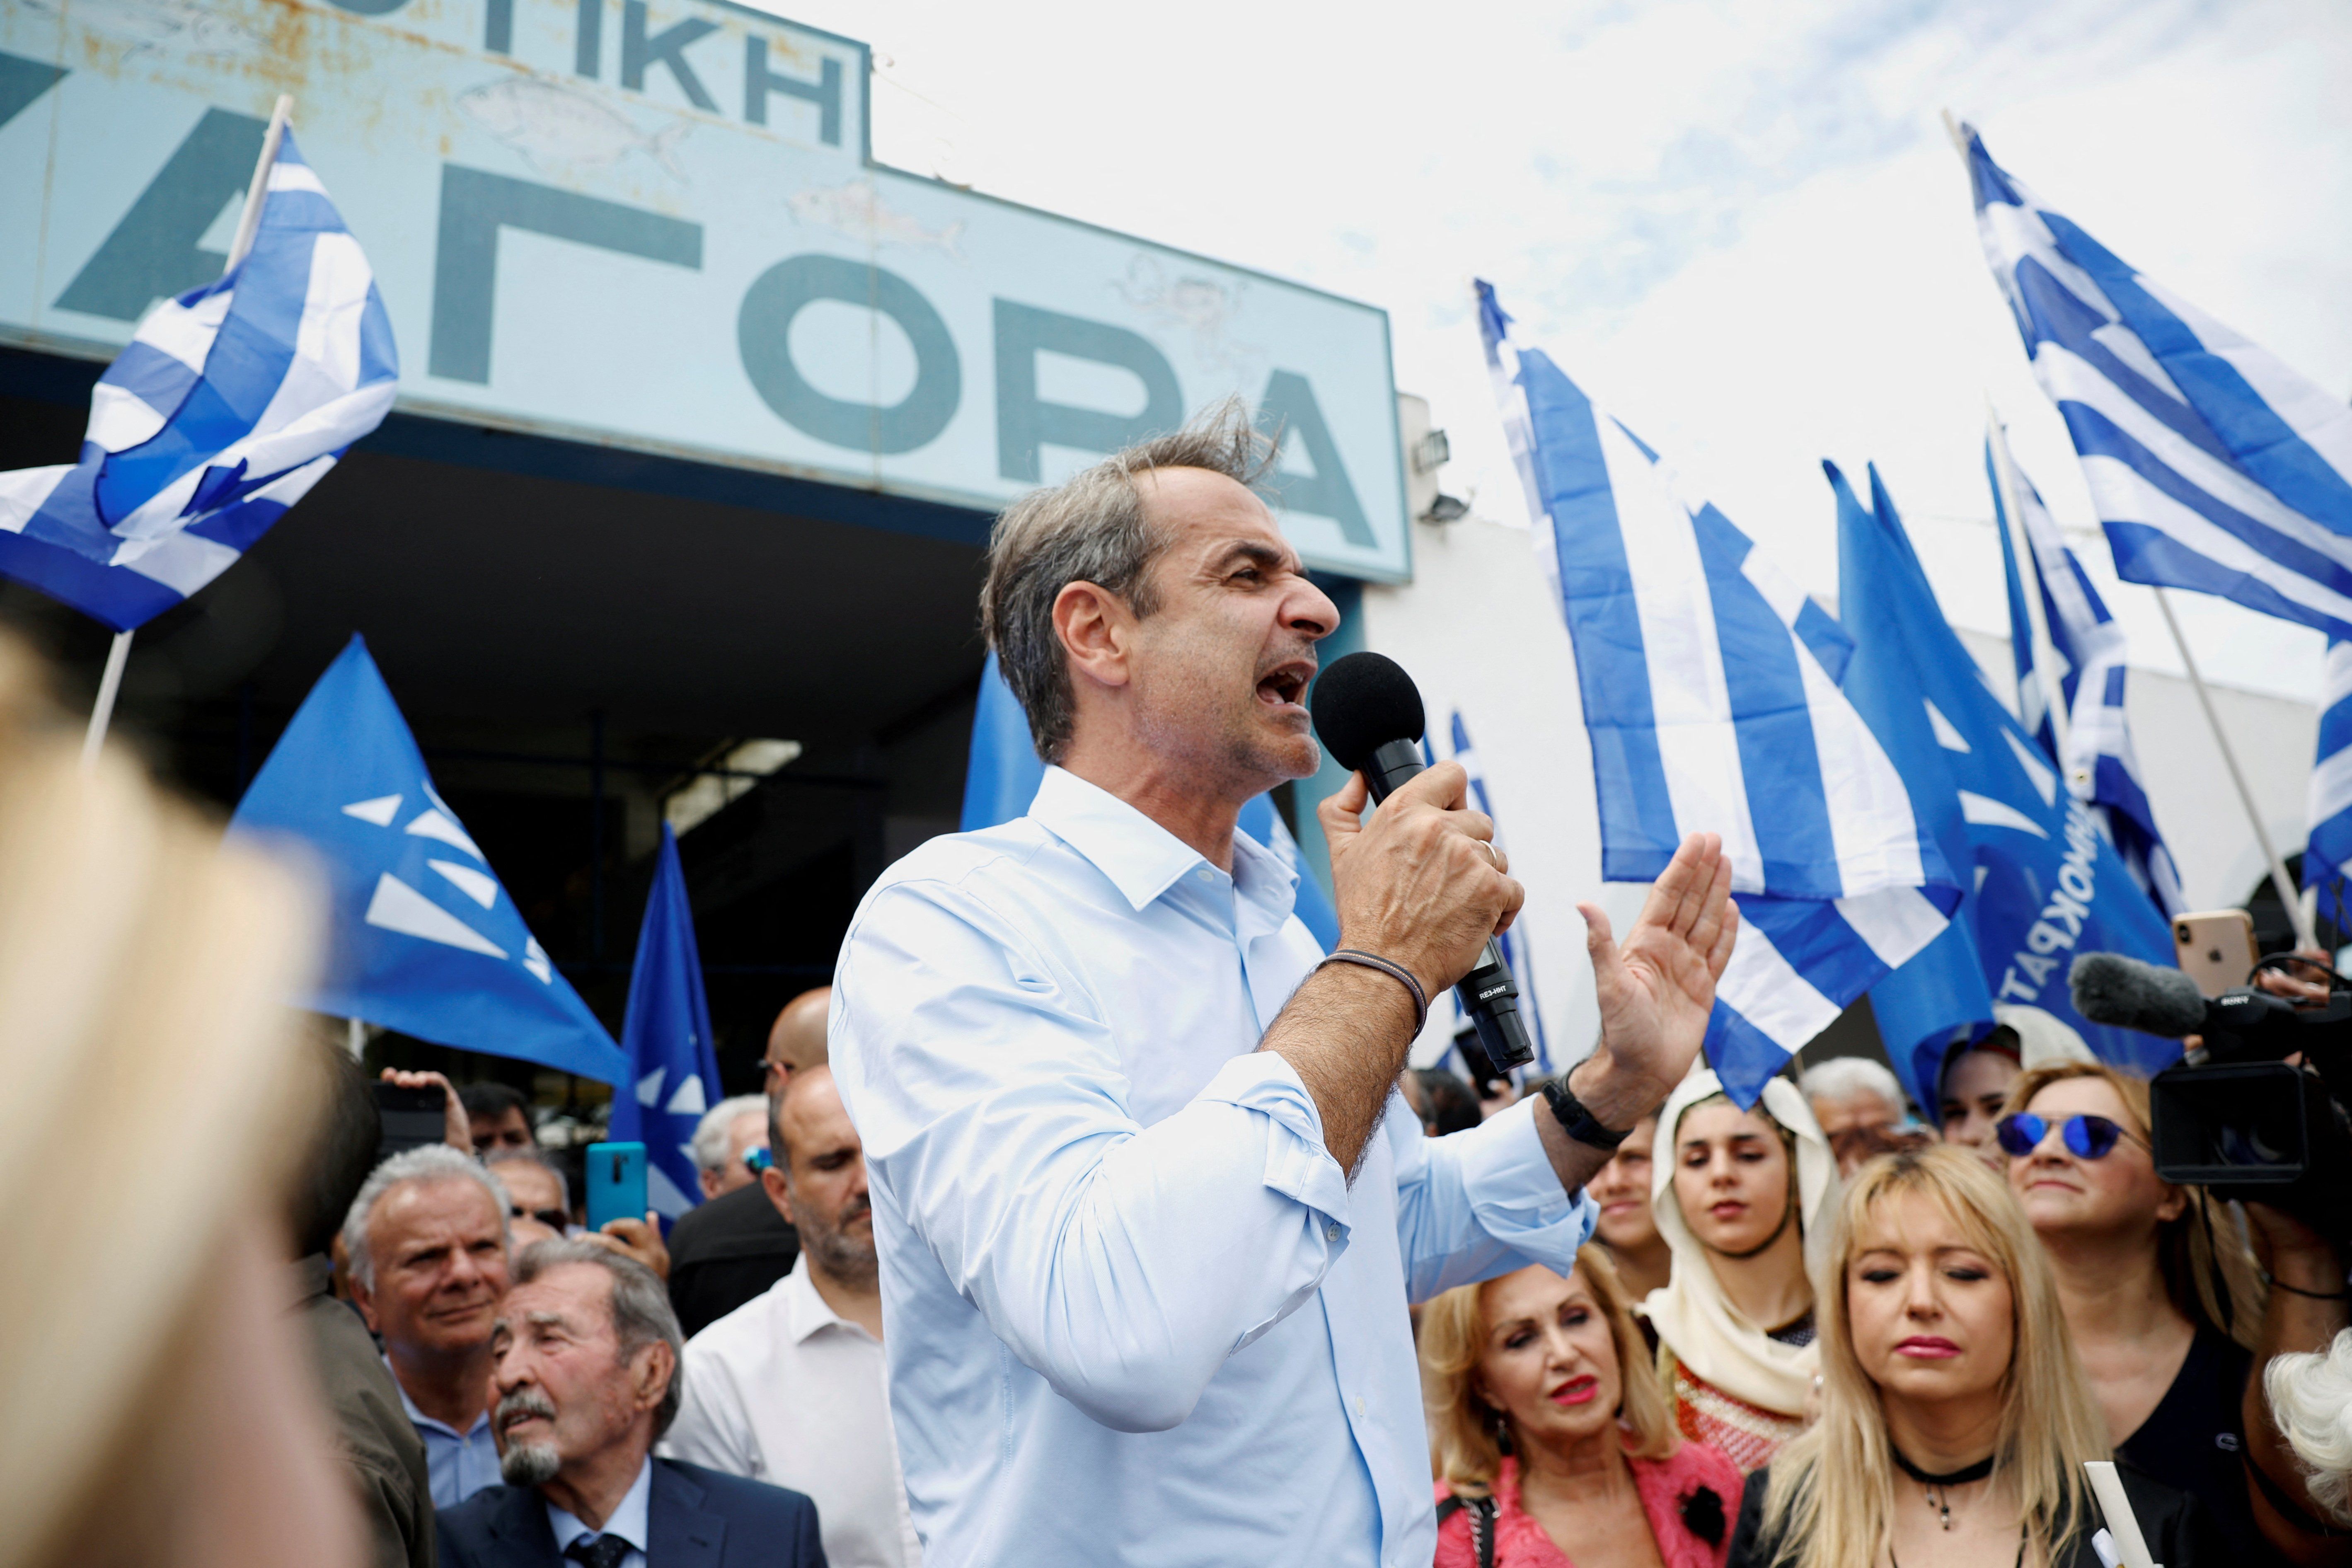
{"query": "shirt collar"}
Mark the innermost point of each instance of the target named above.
(806, 1311)
(418, 1418)
(628, 1521)
(1141, 858)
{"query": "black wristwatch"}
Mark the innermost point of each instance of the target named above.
(1578, 1122)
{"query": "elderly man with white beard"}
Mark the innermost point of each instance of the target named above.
(586, 1380)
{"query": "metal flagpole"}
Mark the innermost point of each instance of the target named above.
(118, 653)
(2280, 881)
(2053, 696)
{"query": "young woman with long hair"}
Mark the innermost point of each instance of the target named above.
(2159, 1289)
(1553, 1435)
(1955, 1420)
(1737, 1194)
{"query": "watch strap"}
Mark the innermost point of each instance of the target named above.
(1578, 1122)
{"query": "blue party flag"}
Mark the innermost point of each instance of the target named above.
(423, 938)
(674, 1070)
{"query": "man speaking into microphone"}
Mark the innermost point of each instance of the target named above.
(1148, 1206)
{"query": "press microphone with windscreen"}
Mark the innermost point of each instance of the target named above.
(1369, 715)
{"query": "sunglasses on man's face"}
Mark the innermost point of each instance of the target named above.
(2086, 1137)
(553, 1219)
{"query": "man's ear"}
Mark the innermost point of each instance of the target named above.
(657, 1370)
(365, 1299)
(779, 1191)
(1095, 628)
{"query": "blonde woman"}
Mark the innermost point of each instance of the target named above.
(1955, 1421)
(157, 1406)
(1553, 1436)
(1737, 1194)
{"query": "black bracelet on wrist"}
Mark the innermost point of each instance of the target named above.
(1390, 967)
(2308, 1295)
(1576, 1121)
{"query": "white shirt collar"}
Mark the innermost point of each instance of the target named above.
(805, 1310)
(628, 1521)
(1142, 858)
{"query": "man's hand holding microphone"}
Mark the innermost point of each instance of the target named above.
(1421, 889)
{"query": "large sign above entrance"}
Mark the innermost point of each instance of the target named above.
(654, 224)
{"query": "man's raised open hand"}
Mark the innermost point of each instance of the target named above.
(1656, 988)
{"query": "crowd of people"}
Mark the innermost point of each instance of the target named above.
(1814, 1332)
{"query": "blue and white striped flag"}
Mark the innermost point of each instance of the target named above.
(1709, 685)
(228, 405)
(2328, 853)
(2213, 466)
(2100, 767)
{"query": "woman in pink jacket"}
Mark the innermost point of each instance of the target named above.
(1553, 1436)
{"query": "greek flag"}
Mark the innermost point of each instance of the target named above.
(2100, 767)
(2328, 853)
(2213, 466)
(229, 403)
(1710, 691)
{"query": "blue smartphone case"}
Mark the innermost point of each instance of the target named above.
(616, 1182)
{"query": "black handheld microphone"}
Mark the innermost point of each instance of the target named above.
(1368, 714)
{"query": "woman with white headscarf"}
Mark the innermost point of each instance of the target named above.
(1738, 1195)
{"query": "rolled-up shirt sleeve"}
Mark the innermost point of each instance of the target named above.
(1481, 1202)
(1123, 1264)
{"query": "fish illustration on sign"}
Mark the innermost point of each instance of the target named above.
(557, 128)
(173, 25)
(859, 209)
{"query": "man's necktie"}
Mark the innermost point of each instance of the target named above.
(598, 1551)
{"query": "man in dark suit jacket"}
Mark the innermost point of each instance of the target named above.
(586, 1379)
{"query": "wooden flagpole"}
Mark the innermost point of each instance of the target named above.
(118, 653)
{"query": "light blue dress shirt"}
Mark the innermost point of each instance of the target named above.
(628, 1521)
(1134, 1310)
(457, 1464)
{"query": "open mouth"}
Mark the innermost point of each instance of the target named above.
(1286, 684)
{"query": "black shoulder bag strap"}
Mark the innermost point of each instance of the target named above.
(1482, 1524)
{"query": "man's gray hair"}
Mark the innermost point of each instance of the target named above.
(498, 1157)
(1841, 1076)
(710, 1145)
(641, 1309)
(430, 1163)
(1091, 529)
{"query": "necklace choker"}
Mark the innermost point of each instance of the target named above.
(1936, 1488)
(1958, 1477)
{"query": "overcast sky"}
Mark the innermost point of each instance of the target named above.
(1740, 227)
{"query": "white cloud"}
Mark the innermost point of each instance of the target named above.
(1740, 224)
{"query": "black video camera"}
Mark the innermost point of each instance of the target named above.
(2233, 1116)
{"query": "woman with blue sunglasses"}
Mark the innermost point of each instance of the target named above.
(2158, 1289)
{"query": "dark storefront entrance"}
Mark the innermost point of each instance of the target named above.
(575, 634)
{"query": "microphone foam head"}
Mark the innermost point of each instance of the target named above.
(2110, 988)
(1362, 702)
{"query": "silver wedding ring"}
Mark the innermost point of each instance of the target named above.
(1489, 848)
